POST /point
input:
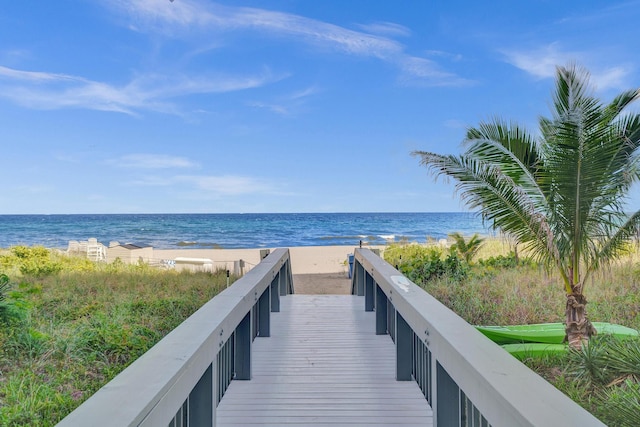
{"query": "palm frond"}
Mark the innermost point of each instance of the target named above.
(618, 105)
(506, 206)
(611, 246)
(517, 143)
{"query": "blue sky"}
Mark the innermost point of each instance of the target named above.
(153, 106)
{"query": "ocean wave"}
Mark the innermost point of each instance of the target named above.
(341, 237)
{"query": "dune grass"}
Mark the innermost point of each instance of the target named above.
(498, 289)
(69, 325)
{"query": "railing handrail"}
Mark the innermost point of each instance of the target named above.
(153, 388)
(505, 391)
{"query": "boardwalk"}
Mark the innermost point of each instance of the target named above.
(323, 366)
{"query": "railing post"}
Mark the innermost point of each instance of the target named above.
(201, 401)
(284, 279)
(404, 349)
(243, 349)
(381, 312)
(264, 313)
(359, 278)
(391, 320)
(447, 399)
(369, 296)
(275, 292)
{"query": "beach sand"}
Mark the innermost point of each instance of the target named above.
(315, 269)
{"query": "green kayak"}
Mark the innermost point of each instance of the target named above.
(550, 333)
(533, 349)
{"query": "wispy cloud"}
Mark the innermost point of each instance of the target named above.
(46, 90)
(193, 16)
(289, 104)
(212, 185)
(421, 71)
(155, 92)
(274, 108)
(160, 12)
(152, 161)
(455, 124)
(446, 55)
(541, 63)
(386, 29)
(35, 189)
(304, 93)
(228, 184)
(35, 76)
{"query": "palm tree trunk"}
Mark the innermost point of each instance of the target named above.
(578, 328)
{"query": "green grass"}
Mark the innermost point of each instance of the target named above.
(68, 326)
(497, 289)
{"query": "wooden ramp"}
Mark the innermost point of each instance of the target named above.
(323, 366)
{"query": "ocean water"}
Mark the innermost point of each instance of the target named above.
(232, 231)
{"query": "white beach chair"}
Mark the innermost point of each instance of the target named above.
(95, 250)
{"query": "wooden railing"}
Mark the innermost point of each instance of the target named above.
(180, 381)
(467, 379)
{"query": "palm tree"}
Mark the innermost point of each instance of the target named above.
(467, 249)
(561, 193)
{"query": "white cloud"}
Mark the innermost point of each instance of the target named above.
(455, 124)
(191, 16)
(611, 78)
(160, 12)
(274, 108)
(421, 71)
(304, 93)
(48, 91)
(386, 28)
(289, 104)
(158, 92)
(541, 63)
(35, 189)
(35, 76)
(152, 161)
(227, 184)
(211, 185)
(447, 55)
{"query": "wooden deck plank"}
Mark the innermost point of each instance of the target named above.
(323, 366)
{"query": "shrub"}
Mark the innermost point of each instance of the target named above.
(505, 261)
(423, 263)
(13, 307)
(35, 261)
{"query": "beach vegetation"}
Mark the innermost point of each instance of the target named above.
(66, 331)
(13, 308)
(422, 263)
(562, 192)
(467, 249)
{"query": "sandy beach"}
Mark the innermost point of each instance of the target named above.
(304, 259)
(316, 269)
